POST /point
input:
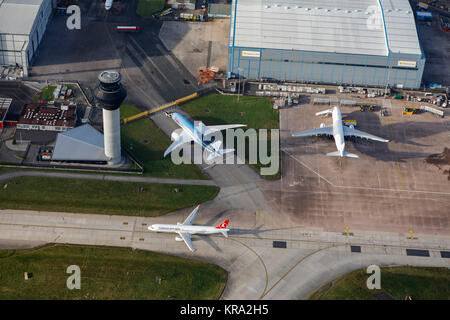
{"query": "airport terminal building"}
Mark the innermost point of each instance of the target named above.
(22, 26)
(364, 43)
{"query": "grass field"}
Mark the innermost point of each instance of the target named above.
(398, 282)
(148, 7)
(106, 273)
(101, 197)
(255, 112)
(148, 143)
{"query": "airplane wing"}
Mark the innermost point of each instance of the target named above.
(357, 133)
(211, 129)
(187, 239)
(313, 132)
(191, 216)
(182, 139)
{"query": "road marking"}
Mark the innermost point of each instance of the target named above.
(362, 188)
(262, 262)
(293, 267)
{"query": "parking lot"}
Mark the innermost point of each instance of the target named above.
(389, 188)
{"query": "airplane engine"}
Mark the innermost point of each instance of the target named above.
(351, 126)
(322, 125)
(174, 136)
(178, 239)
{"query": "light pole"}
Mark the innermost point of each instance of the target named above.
(239, 82)
(387, 80)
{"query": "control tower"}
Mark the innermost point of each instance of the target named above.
(109, 95)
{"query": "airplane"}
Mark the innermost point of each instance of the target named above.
(186, 229)
(197, 134)
(338, 131)
(108, 4)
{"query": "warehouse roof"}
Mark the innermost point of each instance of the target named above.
(82, 143)
(17, 16)
(372, 27)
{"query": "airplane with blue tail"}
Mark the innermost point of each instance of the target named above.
(198, 134)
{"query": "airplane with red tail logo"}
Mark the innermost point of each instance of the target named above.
(186, 229)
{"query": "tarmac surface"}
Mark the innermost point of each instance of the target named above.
(380, 197)
(390, 188)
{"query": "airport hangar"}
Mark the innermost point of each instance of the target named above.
(365, 42)
(22, 26)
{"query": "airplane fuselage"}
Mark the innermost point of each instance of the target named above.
(108, 4)
(180, 228)
(338, 131)
(189, 128)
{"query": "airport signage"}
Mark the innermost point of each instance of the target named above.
(251, 54)
(411, 64)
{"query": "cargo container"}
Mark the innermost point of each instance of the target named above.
(423, 5)
(424, 16)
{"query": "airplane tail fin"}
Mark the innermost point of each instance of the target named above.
(223, 228)
(345, 154)
(223, 225)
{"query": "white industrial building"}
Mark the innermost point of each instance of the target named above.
(364, 42)
(80, 144)
(22, 26)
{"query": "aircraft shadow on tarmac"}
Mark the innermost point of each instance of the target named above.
(374, 149)
(233, 232)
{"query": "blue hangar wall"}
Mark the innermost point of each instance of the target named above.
(398, 70)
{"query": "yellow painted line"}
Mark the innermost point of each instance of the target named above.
(295, 265)
(134, 229)
(262, 262)
(395, 157)
(258, 209)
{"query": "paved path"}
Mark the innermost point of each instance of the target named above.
(49, 174)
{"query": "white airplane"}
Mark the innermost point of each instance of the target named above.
(198, 135)
(108, 4)
(338, 131)
(186, 229)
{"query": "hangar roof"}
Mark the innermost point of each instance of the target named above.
(82, 143)
(17, 16)
(371, 27)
